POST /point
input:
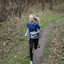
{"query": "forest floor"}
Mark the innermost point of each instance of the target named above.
(14, 47)
(43, 40)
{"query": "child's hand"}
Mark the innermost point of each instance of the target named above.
(37, 18)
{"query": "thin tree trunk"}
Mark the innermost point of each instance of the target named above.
(51, 4)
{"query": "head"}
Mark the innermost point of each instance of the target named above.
(31, 18)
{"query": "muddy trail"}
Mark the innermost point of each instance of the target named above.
(44, 37)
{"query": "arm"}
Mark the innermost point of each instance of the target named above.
(26, 34)
(38, 27)
(37, 19)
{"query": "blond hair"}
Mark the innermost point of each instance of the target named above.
(37, 19)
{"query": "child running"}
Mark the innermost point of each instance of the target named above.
(33, 33)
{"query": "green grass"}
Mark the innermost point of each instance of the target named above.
(53, 17)
(49, 19)
(1, 42)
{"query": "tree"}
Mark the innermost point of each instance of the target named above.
(51, 4)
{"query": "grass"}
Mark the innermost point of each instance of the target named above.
(43, 23)
(53, 17)
(13, 44)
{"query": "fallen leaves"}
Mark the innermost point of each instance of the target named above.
(56, 47)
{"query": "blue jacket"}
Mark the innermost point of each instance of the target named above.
(33, 27)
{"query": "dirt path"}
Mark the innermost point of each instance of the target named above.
(39, 52)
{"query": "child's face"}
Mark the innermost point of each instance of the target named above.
(31, 19)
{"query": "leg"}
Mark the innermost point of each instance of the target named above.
(36, 43)
(31, 49)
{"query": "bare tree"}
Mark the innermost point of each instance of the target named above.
(17, 7)
(51, 4)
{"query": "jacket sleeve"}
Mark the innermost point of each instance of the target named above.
(38, 27)
(27, 33)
